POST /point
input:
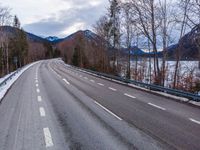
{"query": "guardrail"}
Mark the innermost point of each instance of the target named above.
(4, 82)
(180, 93)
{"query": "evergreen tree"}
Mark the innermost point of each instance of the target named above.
(16, 22)
(76, 57)
(49, 50)
(18, 46)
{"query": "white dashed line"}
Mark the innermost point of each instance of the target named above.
(39, 98)
(36, 81)
(112, 89)
(85, 78)
(108, 111)
(92, 81)
(195, 121)
(47, 137)
(36, 85)
(157, 106)
(100, 84)
(66, 81)
(129, 95)
(38, 90)
(42, 112)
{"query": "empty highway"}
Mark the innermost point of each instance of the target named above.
(54, 106)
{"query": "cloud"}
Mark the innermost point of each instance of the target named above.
(79, 15)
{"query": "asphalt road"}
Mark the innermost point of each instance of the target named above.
(54, 106)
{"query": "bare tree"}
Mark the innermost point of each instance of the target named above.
(193, 17)
(128, 25)
(166, 15)
(184, 5)
(114, 31)
(102, 28)
(148, 23)
(5, 19)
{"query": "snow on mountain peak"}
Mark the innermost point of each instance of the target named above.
(52, 38)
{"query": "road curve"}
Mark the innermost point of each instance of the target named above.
(54, 106)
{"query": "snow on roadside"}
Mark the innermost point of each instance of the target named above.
(6, 76)
(4, 88)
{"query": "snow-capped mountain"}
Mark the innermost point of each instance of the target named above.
(52, 38)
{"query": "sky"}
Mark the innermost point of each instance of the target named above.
(56, 17)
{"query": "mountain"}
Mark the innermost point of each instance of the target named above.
(53, 39)
(188, 46)
(92, 45)
(134, 51)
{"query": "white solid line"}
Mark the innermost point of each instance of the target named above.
(92, 81)
(47, 137)
(39, 98)
(157, 106)
(108, 110)
(129, 95)
(55, 72)
(66, 81)
(86, 78)
(195, 121)
(112, 89)
(42, 112)
(38, 90)
(100, 84)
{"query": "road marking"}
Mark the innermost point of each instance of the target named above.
(157, 106)
(112, 89)
(100, 84)
(42, 112)
(108, 111)
(66, 81)
(55, 73)
(195, 121)
(39, 98)
(47, 137)
(129, 95)
(85, 78)
(36, 85)
(38, 90)
(92, 81)
(36, 81)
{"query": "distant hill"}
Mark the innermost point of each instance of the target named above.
(187, 45)
(134, 51)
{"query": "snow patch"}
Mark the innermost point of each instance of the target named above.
(5, 87)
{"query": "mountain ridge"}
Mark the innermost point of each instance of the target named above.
(188, 51)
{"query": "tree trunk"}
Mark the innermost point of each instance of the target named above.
(7, 59)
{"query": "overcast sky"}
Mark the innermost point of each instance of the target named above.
(56, 17)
